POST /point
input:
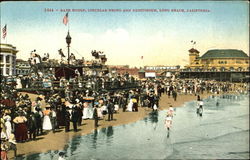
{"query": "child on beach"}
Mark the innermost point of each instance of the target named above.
(169, 117)
(168, 121)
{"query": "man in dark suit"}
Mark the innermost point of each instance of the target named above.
(95, 116)
(75, 117)
(67, 120)
(38, 118)
(110, 110)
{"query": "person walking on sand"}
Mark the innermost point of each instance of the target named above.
(74, 118)
(21, 130)
(67, 120)
(110, 110)
(53, 119)
(38, 116)
(32, 125)
(46, 119)
(174, 93)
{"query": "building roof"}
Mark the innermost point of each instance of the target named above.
(141, 70)
(192, 50)
(224, 53)
(8, 48)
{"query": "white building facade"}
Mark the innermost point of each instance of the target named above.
(8, 59)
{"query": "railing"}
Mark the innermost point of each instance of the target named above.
(56, 85)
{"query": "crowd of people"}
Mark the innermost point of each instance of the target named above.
(23, 119)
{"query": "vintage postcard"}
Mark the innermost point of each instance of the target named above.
(124, 80)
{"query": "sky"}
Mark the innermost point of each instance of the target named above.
(162, 38)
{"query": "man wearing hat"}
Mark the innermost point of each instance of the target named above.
(110, 110)
(67, 119)
(75, 117)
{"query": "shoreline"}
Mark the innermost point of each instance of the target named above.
(57, 141)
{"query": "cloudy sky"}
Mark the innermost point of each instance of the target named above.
(162, 38)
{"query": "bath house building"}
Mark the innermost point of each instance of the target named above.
(218, 64)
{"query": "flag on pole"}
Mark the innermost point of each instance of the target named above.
(66, 19)
(4, 30)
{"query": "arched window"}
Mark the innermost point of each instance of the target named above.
(223, 69)
(214, 69)
(197, 69)
(232, 69)
(239, 69)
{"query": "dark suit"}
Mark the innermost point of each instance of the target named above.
(110, 111)
(75, 118)
(67, 120)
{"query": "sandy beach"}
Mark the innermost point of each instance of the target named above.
(56, 141)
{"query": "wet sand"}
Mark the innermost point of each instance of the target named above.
(57, 141)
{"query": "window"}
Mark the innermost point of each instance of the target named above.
(222, 69)
(13, 60)
(231, 68)
(7, 71)
(7, 59)
(1, 58)
(213, 69)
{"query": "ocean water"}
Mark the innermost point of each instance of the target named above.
(222, 132)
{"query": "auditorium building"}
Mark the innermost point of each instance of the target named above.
(218, 64)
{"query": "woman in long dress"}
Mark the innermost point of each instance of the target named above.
(21, 131)
(130, 106)
(46, 119)
(7, 119)
(85, 110)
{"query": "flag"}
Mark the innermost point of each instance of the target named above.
(65, 19)
(4, 30)
(141, 57)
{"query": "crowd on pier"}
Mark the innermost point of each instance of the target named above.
(23, 119)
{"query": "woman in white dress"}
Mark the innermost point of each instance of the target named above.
(90, 111)
(130, 106)
(18, 81)
(46, 119)
(7, 119)
(87, 111)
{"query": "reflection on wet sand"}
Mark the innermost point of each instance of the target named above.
(190, 137)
